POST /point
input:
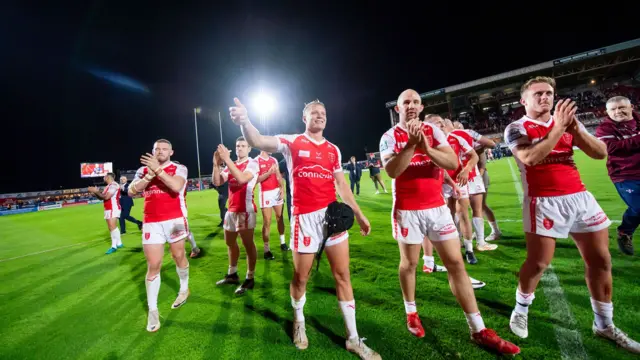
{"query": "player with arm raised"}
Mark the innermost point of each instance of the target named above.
(110, 197)
(315, 169)
(414, 154)
(271, 197)
(241, 217)
(162, 183)
(556, 204)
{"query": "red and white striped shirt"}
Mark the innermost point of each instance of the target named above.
(241, 196)
(160, 203)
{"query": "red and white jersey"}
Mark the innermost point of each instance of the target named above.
(241, 196)
(160, 203)
(271, 182)
(419, 187)
(112, 203)
(557, 173)
(471, 137)
(312, 166)
(462, 147)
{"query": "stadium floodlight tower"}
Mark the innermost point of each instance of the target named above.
(265, 105)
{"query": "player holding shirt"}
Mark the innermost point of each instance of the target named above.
(271, 194)
(557, 204)
(110, 197)
(315, 170)
(162, 183)
(413, 154)
(241, 217)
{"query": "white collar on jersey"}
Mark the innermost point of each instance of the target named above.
(542, 123)
(313, 141)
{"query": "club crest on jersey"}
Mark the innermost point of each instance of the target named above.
(547, 223)
(304, 153)
(566, 137)
(404, 231)
(147, 236)
(307, 240)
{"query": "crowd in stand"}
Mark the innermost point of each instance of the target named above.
(592, 101)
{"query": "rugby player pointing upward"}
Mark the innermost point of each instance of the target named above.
(557, 204)
(413, 154)
(315, 170)
(165, 221)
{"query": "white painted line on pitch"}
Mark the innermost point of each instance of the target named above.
(569, 339)
(46, 251)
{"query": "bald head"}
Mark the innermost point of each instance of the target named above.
(409, 105)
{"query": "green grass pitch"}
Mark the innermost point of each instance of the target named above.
(76, 303)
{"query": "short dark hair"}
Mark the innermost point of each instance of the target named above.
(111, 175)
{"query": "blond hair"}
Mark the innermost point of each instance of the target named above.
(314, 102)
(538, 80)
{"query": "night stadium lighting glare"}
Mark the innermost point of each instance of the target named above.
(264, 104)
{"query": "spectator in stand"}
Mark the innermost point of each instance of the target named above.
(621, 132)
(355, 173)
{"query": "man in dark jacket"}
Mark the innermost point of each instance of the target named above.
(355, 173)
(282, 165)
(126, 203)
(223, 196)
(621, 132)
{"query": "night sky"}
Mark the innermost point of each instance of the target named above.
(100, 81)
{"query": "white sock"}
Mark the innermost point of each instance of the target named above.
(115, 237)
(349, 314)
(523, 301)
(117, 230)
(410, 307)
(192, 241)
(282, 239)
(183, 274)
(494, 226)
(476, 324)
(250, 274)
(267, 247)
(468, 245)
(603, 313)
(153, 288)
(429, 261)
(232, 270)
(478, 227)
(298, 307)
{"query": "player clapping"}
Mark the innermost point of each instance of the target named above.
(110, 197)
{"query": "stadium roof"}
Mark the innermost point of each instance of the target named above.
(606, 62)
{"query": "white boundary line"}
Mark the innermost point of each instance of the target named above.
(569, 339)
(46, 251)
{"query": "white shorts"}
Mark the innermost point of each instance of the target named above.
(412, 226)
(309, 230)
(270, 198)
(169, 231)
(110, 214)
(485, 179)
(476, 186)
(236, 221)
(557, 216)
(447, 191)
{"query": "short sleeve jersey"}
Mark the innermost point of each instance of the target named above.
(311, 166)
(241, 195)
(419, 186)
(160, 202)
(556, 174)
(459, 142)
(271, 182)
(114, 202)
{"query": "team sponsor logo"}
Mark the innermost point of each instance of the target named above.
(513, 135)
(384, 145)
(447, 229)
(314, 172)
(318, 155)
(547, 223)
(597, 219)
(307, 240)
(147, 236)
(304, 153)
